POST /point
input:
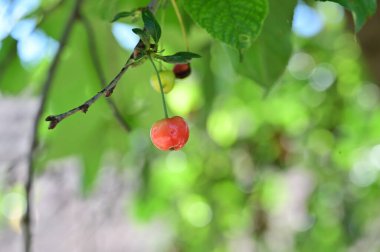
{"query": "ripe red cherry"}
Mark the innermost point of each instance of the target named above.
(170, 133)
(181, 71)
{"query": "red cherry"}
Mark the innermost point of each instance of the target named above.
(170, 133)
(181, 71)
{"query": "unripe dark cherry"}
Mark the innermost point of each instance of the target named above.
(170, 133)
(181, 71)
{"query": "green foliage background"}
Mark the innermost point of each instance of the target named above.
(246, 133)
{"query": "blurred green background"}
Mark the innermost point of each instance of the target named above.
(290, 168)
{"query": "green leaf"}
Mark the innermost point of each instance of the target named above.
(151, 25)
(361, 10)
(266, 60)
(123, 14)
(237, 23)
(179, 57)
(143, 35)
(13, 76)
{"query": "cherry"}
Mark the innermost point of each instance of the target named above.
(167, 80)
(181, 71)
(170, 133)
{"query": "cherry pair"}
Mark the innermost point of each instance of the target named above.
(170, 133)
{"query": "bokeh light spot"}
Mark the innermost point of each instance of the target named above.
(374, 156)
(301, 65)
(176, 161)
(23, 28)
(196, 211)
(124, 35)
(185, 97)
(36, 47)
(368, 96)
(332, 13)
(274, 193)
(363, 173)
(13, 205)
(222, 128)
(322, 78)
(307, 22)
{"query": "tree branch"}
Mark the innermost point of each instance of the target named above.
(99, 71)
(27, 218)
(107, 90)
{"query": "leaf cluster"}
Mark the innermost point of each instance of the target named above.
(152, 31)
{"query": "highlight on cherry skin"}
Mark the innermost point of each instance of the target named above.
(181, 71)
(170, 133)
(167, 80)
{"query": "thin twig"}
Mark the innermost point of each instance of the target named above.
(180, 20)
(27, 218)
(106, 91)
(161, 87)
(99, 71)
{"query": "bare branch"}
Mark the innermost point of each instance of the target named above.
(27, 218)
(99, 71)
(106, 91)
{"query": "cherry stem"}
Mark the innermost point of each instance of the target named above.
(180, 20)
(161, 87)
